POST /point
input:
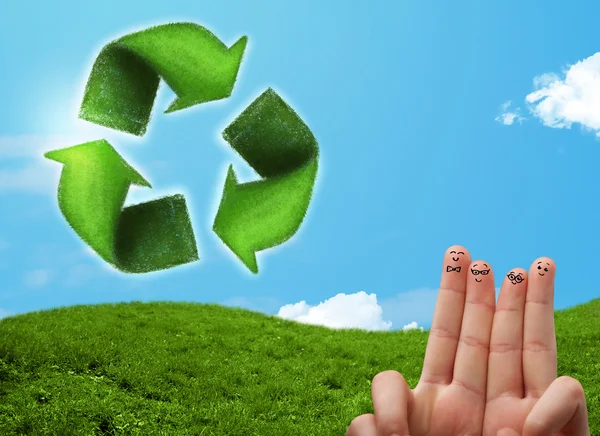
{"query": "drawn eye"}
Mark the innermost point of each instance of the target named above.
(539, 267)
(511, 276)
(519, 278)
(546, 269)
(485, 272)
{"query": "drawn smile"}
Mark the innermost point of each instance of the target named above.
(480, 272)
(455, 260)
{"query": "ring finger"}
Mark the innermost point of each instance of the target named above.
(505, 371)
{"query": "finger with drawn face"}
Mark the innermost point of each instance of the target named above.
(505, 366)
(447, 317)
(470, 367)
(539, 337)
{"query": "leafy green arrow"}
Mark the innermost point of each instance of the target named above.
(280, 147)
(140, 238)
(124, 80)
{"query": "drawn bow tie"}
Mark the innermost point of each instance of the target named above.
(449, 269)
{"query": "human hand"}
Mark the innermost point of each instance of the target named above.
(456, 395)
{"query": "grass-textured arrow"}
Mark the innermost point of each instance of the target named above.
(280, 147)
(122, 86)
(141, 238)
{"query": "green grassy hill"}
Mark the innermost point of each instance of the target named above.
(194, 369)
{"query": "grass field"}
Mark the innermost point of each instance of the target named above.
(194, 369)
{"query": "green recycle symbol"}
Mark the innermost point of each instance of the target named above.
(158, 234)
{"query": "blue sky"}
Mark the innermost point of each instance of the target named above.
(420, 150)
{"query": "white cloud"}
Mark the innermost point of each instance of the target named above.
(359, 310)
(575, 99)
(37, 278)
(561, 102)
(410, 309)
(545, 80)
(412, 326)
(508, 117)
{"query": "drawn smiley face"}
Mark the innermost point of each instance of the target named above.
(542, 270)
(480, 272)
(456, 256)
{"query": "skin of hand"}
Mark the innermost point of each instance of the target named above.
(489, 370)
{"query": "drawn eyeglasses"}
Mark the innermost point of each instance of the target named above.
(515, 278)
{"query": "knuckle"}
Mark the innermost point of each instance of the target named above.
(504, 347)
(537, 346)
(442, 332)
(474, 342)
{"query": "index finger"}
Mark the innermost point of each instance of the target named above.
(438, 366)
